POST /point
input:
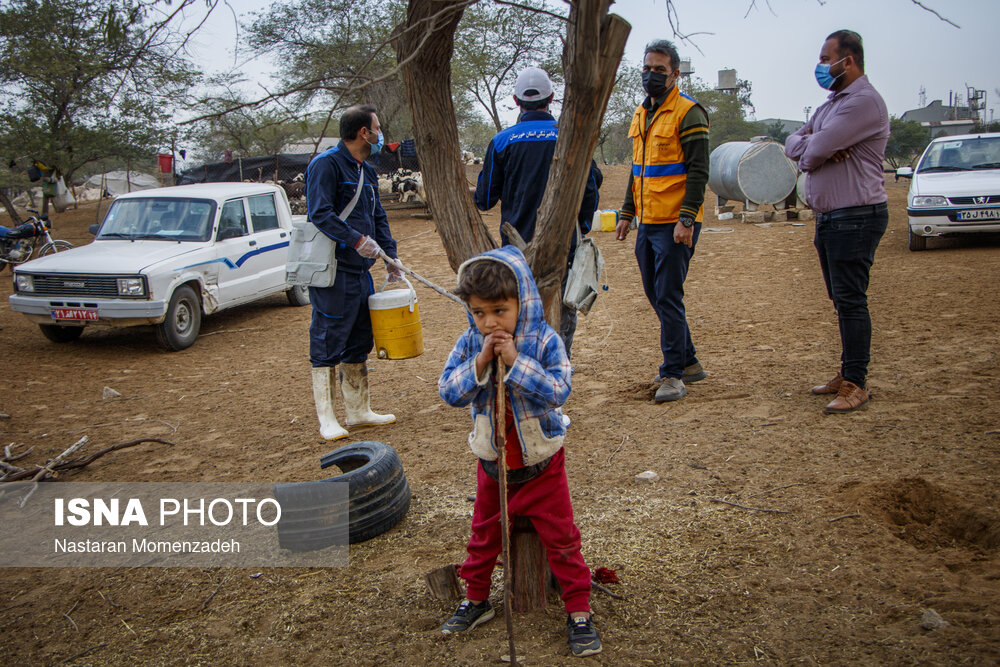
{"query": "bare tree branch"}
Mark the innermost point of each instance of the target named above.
(935, 13)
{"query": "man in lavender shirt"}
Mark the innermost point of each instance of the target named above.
(841, 150)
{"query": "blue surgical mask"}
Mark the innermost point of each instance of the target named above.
(823, 76)
(377, 146)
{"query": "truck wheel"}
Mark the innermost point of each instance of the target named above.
(298, 295)
(183, 322)
(60, 334)
(379, 497)
(917, 243)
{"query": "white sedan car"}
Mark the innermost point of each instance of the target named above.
(164, 257)
(955, 188)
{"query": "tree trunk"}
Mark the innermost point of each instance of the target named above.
(6, 203)
(424, 48)
(590, 76)
(529, 567)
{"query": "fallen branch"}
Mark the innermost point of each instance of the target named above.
(228, 331)
(599, 587)
(70, 618)
(83, 653)
(618, 448)
(8, 457)
(844, 516)
(48, 470)
(209, 598)
(744, 507)
(57, 465)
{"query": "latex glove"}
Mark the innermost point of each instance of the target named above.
(367, 247)
(393, 273)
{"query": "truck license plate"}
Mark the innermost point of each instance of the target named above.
(982, 214)
(74, 314)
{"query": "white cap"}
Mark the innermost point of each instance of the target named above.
(532, 85)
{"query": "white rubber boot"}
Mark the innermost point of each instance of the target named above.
(354, 385)
(329, 427)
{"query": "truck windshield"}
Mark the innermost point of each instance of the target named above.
(159, 218)
(967, 154)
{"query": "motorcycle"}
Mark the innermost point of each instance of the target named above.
(18, 244)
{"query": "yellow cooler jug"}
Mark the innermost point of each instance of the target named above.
(604, 221)
(396, 323)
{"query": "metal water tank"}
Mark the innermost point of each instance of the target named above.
(751, 171)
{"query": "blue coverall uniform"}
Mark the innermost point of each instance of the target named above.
(341, 328)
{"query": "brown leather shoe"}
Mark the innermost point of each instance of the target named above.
(849, 398)
(831, 387)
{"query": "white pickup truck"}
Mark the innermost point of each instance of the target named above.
(165, 257)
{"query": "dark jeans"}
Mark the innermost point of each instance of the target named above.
(663, 265)
(846, 244)
(341, 327)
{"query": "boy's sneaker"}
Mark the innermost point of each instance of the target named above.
(584, 639)
(468, 616)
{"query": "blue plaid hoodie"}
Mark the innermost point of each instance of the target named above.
(538, 382)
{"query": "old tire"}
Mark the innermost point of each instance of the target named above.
(917, 243)
(180, 328)
(60, 334)
(379, 497)
(298, 295)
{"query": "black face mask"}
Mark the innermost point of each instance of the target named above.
(654, 83)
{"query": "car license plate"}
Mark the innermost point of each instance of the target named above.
(74, 314)
(982, 214)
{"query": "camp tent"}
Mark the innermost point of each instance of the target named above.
(120, 182)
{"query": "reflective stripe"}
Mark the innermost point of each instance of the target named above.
(654, 170)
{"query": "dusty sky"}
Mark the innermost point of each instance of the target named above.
(775, 45)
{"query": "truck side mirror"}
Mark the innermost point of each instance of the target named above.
(904, 172)
(93, 229)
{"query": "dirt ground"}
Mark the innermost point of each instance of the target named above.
(884, 513)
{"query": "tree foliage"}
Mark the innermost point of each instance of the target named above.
(335, 53)
(494, 42)
(907, 140)
(613, 143)
(727, 112)
(246, 131)
(776, 131)
(86, 80)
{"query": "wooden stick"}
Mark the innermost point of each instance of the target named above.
(78, 462)
(83, 652)
(597, 586)
(844, 516)
(501, 444)
(209, 599)
(777, 488)
(48, 468)
(440, 290)
(744, 507)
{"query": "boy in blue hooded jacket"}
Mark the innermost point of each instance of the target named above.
(507, 321)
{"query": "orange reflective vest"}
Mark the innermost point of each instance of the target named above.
(659, 175)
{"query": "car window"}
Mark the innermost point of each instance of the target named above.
(159, 219)
(981, 152)
(233, 221)
(263, 214)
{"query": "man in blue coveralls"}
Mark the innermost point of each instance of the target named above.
(341, 328)
(516, 169)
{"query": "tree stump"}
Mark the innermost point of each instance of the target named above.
(443, 583)
(529, 567)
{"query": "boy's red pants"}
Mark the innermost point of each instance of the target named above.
(544, 500)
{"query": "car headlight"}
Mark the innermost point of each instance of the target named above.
(23, 283)
(927, 201)
(131, 287)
